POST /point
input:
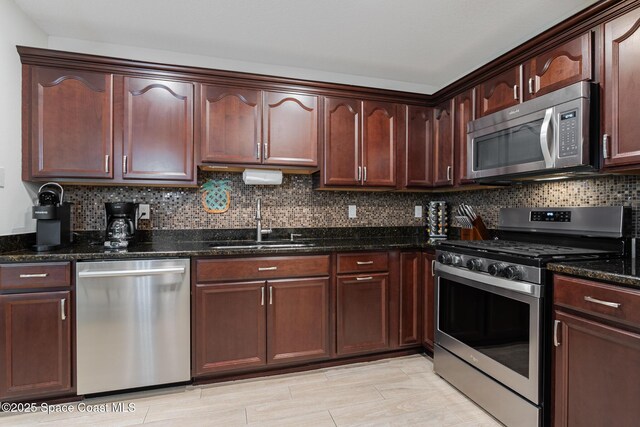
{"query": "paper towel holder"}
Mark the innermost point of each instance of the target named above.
(262, 177)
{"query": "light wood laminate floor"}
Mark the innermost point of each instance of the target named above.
(392, 392)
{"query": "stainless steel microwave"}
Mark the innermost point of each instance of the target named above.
(544, 136)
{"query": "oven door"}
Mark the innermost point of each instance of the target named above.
(493, 324)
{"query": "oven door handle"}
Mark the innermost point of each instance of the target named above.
(489, 282)
(546, 138)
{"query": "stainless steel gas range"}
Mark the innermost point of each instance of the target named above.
(493, 304)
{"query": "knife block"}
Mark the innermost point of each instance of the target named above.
(478, 232)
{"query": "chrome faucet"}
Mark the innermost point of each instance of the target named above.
(259, 230)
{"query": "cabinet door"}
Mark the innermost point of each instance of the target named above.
(418, 152)
(428, 302)
(362, 313)
(597, 374)
(379, 144)
(231, 124)
(559, 67)
(464, 113)
(499, 92)
(443, 144)
(71, 122)
(290, 129)
(621, 89)
(297, 320)
(230, 327)
(158, 130)
(410, 302)
(342, 141)
(35, 331)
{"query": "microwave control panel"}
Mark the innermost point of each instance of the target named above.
(568, 133)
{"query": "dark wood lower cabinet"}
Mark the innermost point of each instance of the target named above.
(230, 327)
(298, 320)
(428, 303)
(597, 374)
(410, 302)
(362, 313)
(35, 332)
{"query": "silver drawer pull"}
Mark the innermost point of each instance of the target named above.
(262, 298)
(63, 314)
(556, 324)
(364, 262)
(31, 276)
(267, 268)
(433, 267)
(599, 301)
(364, 278)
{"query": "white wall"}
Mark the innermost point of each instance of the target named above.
(15, 197)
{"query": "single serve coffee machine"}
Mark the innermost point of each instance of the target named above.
(122, 220)
(53, 218)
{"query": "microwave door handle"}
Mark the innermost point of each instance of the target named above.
(546, 138)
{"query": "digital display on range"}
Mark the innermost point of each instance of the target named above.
(551, 216)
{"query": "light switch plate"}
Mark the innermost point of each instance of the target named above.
(418, 212)
(144, 211)
(352, 211)
(1, 177)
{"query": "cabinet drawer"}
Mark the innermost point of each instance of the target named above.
(36, 275)
(366, 261)
(215, 270)
(599, 299)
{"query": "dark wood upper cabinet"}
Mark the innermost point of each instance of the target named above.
(559, 67)
(35, 332)
(379, 144)
(290, 129)
(464, 113)
(418, 152)
(499, 92)
(70, 124)
(157, 130)
(342, 141)
(621, 90)
(231, 124)
(428, 304)
(229, 327)
(443, 170)
(298, 320)
(410, 298)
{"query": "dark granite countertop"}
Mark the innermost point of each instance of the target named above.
(624, 271)
(176, 248)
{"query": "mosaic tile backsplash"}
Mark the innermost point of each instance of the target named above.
(295, 205)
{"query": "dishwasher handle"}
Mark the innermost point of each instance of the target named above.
(140, 272)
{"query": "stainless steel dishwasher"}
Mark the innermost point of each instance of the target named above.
(133, 324)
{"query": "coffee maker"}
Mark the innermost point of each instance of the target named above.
(53, 218)
(121, 222)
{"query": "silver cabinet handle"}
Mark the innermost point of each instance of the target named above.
(365, 174)
(359, 173)
(515, 92)
(124, 164)
(63, 314)
(556, 324)
(141, 272)
(262, 297)
(448, 173)
(106, 163)
(605, 146)
(265, 155)
(531, 89)
(433, 267)
(270, 295)
(31, 276)
(364, 278)
(267, 268)
(364, 262)
(599, 301)
(257, 150)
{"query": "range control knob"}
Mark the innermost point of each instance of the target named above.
(513, 272)
(474, 264)
(456, 260)
(444, 258)
(497, 268)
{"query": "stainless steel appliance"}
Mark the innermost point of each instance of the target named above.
(493, 304)
(133, 324)
(53, 218)
(551, 134)
(121, 223)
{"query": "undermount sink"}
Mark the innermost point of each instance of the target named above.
(259, 245)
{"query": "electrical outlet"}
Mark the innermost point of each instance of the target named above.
(352, 211)
(144, 211)
(418, 212)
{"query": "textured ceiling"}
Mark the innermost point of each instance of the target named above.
(414, 45)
